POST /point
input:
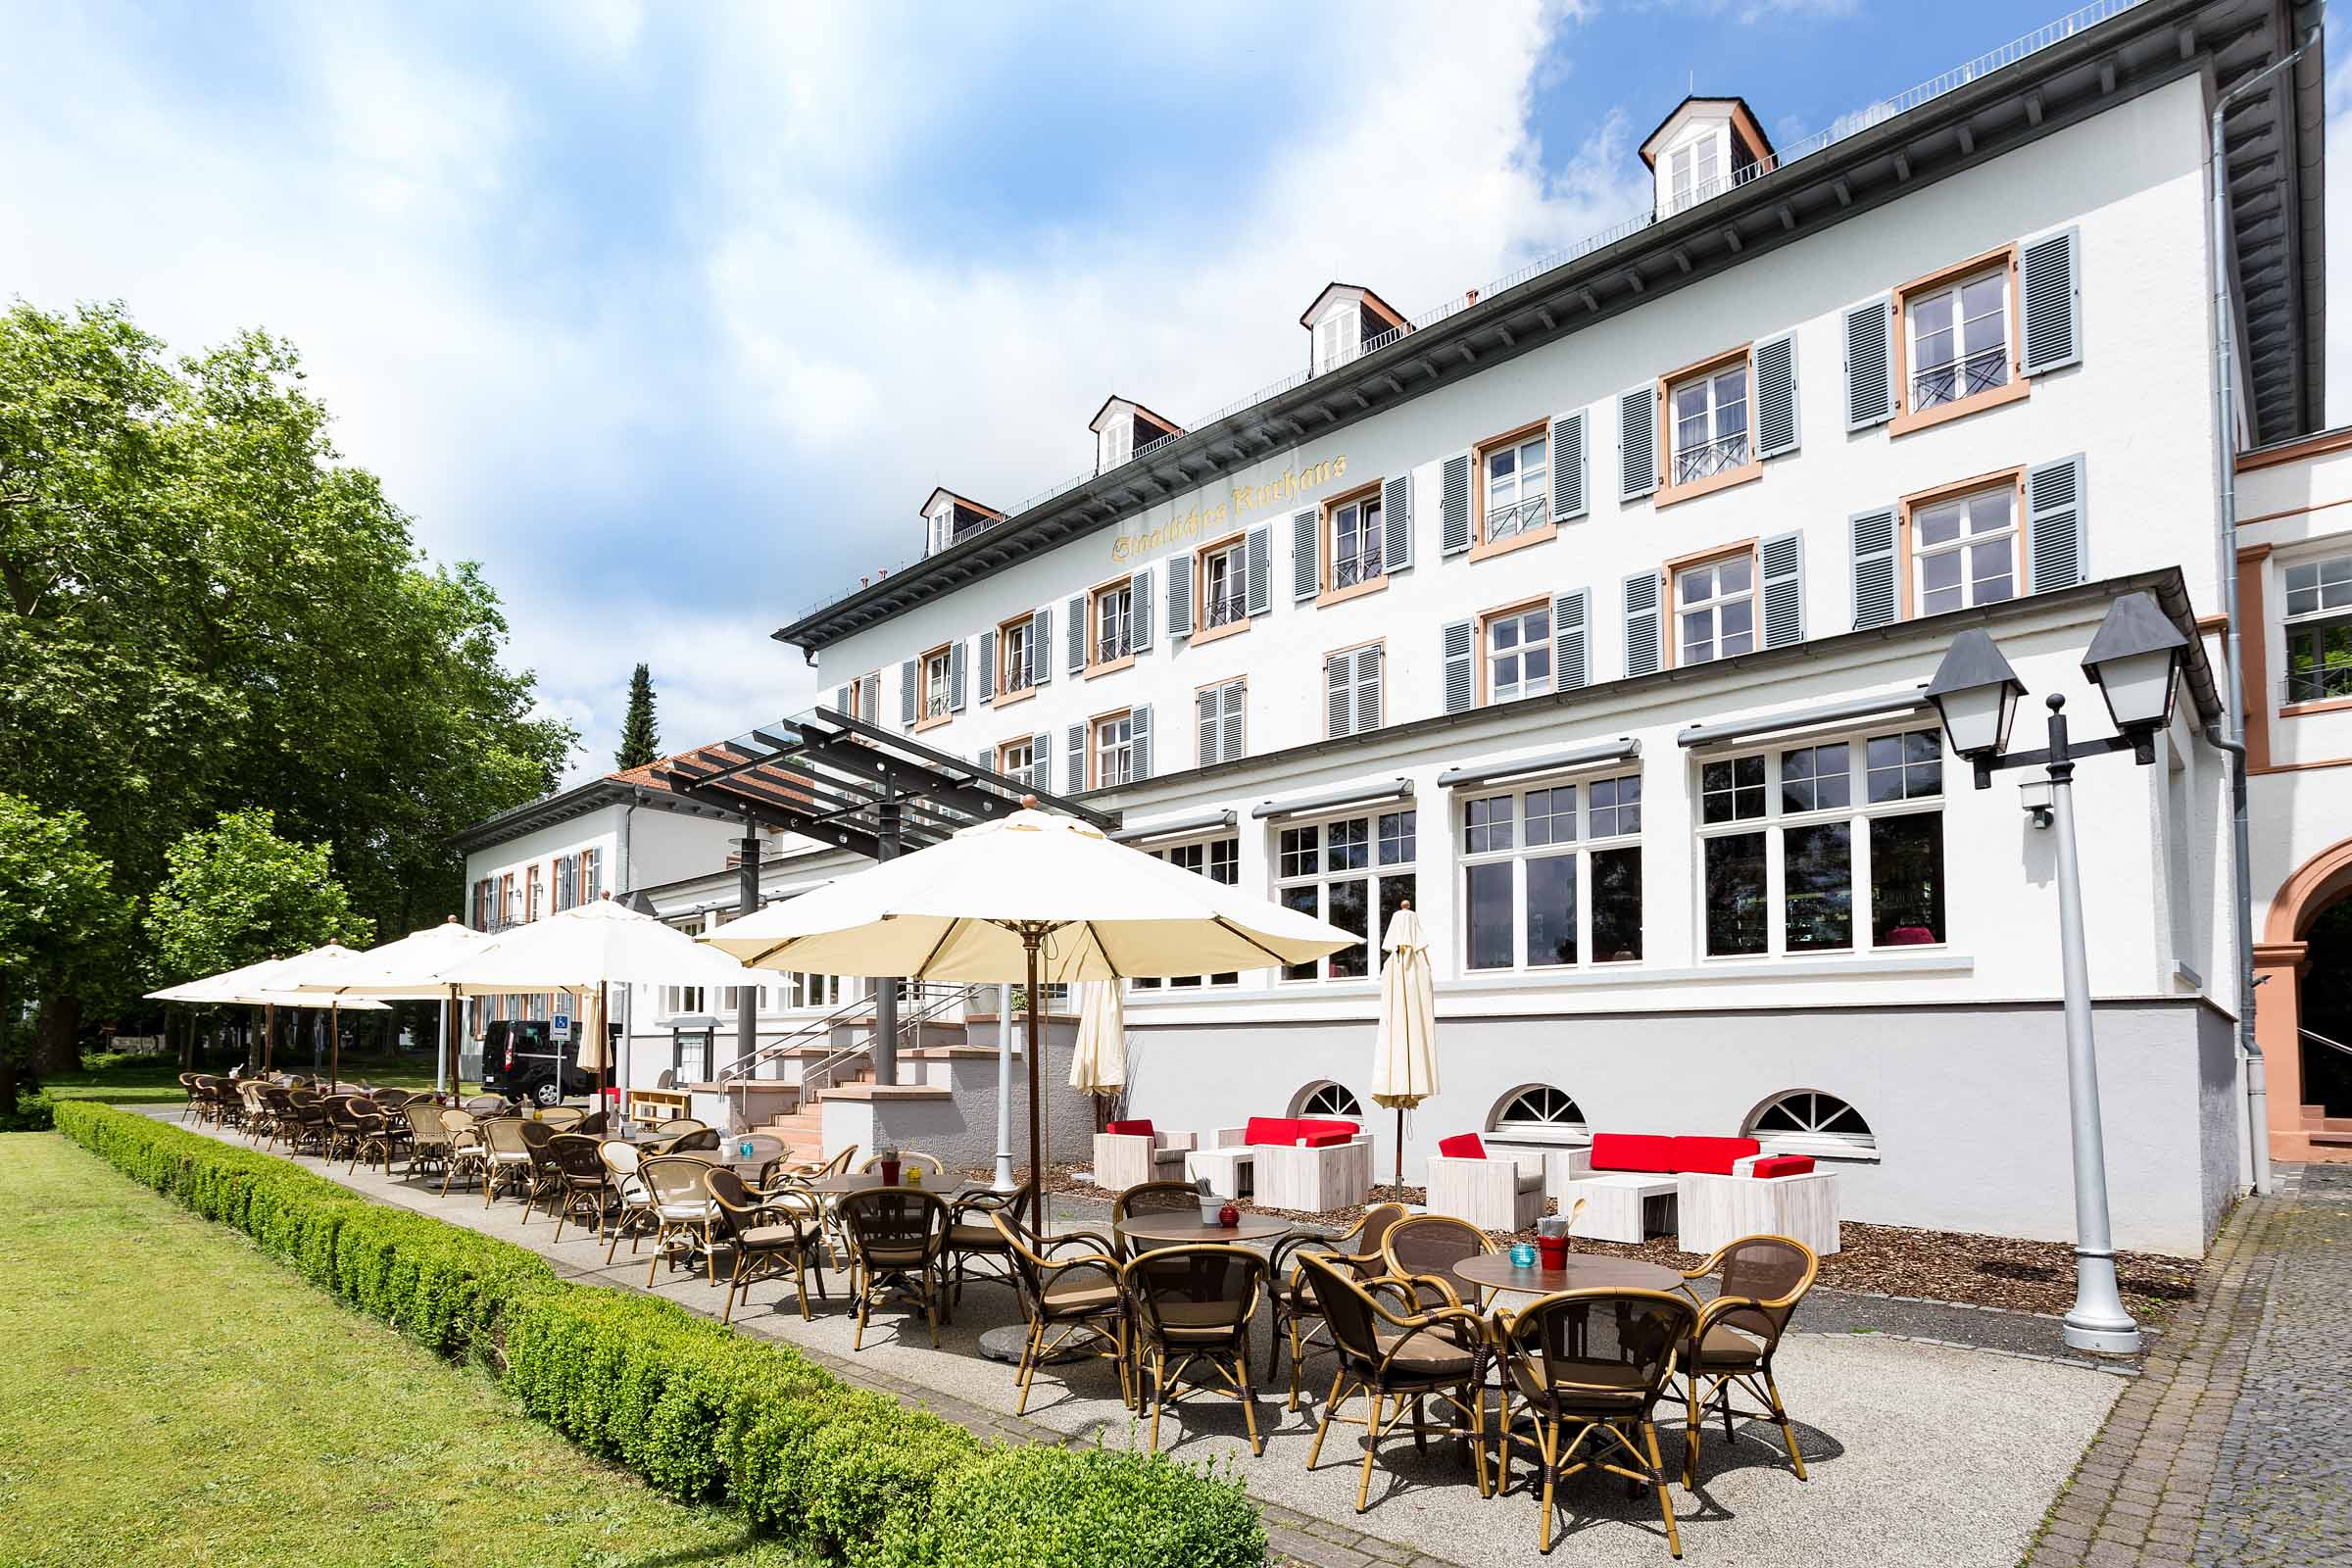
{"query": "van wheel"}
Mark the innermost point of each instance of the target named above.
(548, 1093)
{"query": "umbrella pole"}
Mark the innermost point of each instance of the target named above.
(1401, 1154)
(269, 1035)
(334, 1046)
(1031, 938)
(602, 1031)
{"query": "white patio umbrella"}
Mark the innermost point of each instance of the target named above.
(1034, 896)
(270, 985)
(1099, 1066)
(1404, 1044)
(409, 970)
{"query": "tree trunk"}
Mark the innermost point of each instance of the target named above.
(57, 1033)
(8, 1051)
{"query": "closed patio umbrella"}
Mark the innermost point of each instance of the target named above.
(1099, 1066)
(1404, 1044)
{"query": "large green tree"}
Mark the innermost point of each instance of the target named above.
(640, 735)
(206, 609)
(236, 892)
(62, 920)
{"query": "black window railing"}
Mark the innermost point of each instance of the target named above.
(1704, 461)
(1223, 610)
(1362, 566)
(1965, 377)
(1504, 522)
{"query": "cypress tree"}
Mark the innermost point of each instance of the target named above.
(640, 736)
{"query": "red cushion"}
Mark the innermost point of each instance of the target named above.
(1328, 1140)
(1712, 1156)
(1644, 1152)
(1308, 1126)
(1782, 1166)
(1270, 1130)
(1463, 1146)
(1131, 1129)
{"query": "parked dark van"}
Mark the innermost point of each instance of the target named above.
(522, 1061)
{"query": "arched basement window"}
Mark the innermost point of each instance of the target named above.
(1808, 1121)
(1539, 1113)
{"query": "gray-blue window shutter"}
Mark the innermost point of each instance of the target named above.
(1139, 611)
(1041, 645)
(1180, 595)
(1306, 575)
(1260, 553)
(2055, 509)
(956, 653)
(1777, 424)
(909, 680)
(1229, 718)
(1205, 744)
(1074, 752)
(1875, 598)
(1461, 684)
(1041, 763)
(1396, 524)
(1869, 363)
(1077, 633)
(1783, 563)
(1643, 635)
(1138, 739)
(986, 756)
(1636, 443)
(1453, 506)
(1568, 639)
(1370, 677)
(1568, 455)
(988, 665)
(1339, 710)
(2050, 299)
(842, 700)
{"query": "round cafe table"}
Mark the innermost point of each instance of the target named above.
(1585, 1271)
(1185, 1230)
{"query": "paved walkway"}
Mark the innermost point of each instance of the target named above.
(2234, 1448)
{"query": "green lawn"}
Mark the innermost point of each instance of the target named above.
(174, 1397)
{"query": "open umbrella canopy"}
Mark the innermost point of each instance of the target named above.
(588, 945)
(228, 986)
(407, 971)
(1098, 1064)
(956, 911)
(273, 982)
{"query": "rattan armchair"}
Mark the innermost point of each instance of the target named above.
(1066, 1295)
(633, 1210)
(301, 1122)
(1421, 1250)
(546, 1178)
(384, 1135)
(770, 1236)
(1191, 1307)
(974, 1237)
(1397, 1361)
(1297, 1313)
(898, 1240)
(581, 1193)
(1590, 1366)
(913, 1159)
(345, 1128)
(1730, 1348)
(677, 1125)
(429, 1141)
(681, 1212)
(818, 1170)
(506, 1160)
(1150, 1197)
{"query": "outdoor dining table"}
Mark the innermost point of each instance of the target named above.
(869, 1181)
(1585, 1271)
(1185, 1230)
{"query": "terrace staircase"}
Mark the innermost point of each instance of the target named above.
(832, 1053)
(2331, 1134)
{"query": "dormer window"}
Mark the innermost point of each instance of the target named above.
(1344, 322)
(1706, 146)
(1692, 168)
(949, 518)
(1122, 428)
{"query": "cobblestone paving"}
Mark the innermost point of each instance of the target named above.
(2232, 1447)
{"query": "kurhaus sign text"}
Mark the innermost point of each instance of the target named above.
(1207, 522)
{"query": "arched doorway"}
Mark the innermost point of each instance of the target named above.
(2303, 1008)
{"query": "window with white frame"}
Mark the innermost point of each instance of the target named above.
(1518, 486)
(592, 876)
(1356, 872)
(1218, 859)
(1355, 541)
(1959, 338)
(801, 992)
(1552, 875)
(1351, 681)
(1710, 424)
(1808, 1121)
(1224, 586)
(1539, 1113)
(1015, 661)
(680, 1000)
(865, 698)
(2318, 629)
(1715, 608)
(1115, 622)
(1519, 653)
(1113, 748)
(1829, 847)
(1017, 759)
(1964, 549)
(567, 881)
(1220, 720)
(935, 684)
(943, 526)
(1691, 168)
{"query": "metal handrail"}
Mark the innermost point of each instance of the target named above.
(2322, 1040)
(744, 1067)
(1934, 385)
(2323, 683)
(1504, 522)
(819, 1075)
(1713, 458)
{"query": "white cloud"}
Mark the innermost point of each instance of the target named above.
(2338, 389)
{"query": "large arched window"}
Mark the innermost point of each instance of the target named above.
(1539, 1113)
(1808, 1121)
(1328, 1098)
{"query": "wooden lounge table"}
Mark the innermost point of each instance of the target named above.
(1185, 1230)
(1585, 1271)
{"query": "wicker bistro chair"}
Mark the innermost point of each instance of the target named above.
(702, 1139)
(468, 1154)
(1404, 1357)
(1422, 1250)
(220, 1106)
(386, 1137)
(301, 1122)
(974, 1238)
(930, 1164)
(818, 1170)
(1065, 1296)
(1590, 1366)
(1150, 1197)
(485, 1106)
(632, 1210)
(1297, 1311)
(505, 1159)
(681, 1212)
(1730, 1350)
(562, 1118)
(546, 1177)
(430, 1143)
(677, 1125)
(770, 1237)
(188, 1086)
(898, 1243)
(582, 1192)
(1192, 1306)
(345, 1128)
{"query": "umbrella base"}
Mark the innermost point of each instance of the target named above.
(1003, 1343)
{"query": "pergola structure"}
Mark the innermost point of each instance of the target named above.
(839, 781)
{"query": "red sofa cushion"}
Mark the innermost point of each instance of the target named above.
(1328, 1140)
(1712, 1156)
(1309, 1126)
(1270, 1130)
(1782, 1166)
(1131, 1129)
(1463, 1146)
(1642, 1151)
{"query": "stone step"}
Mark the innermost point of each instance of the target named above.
(2317, 1120)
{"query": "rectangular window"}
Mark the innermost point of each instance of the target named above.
(865, 698)
(1113, 761)
(1351, 683)
(1224, 586)
(1356, 872)
(592, 876)
(1693, 170)
(567, 881)
(1017, 759)
(1219, 860)
(1518, 486)
(2319, 630)
(1964, 549)
(1715, 608)
(508, 913)
(935, 684)
(1219, 719)
(1356, 545)
(1015, 660)
(1785, 862)
(1114, 621)
(1959, 338)
(1552, 876)
(1518, 653)
(1710, 424)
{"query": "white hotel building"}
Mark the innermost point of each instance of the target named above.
(1591, 612)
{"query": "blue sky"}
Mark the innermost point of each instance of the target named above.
(673, 315)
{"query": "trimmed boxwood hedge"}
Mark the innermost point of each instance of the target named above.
(700, 1412)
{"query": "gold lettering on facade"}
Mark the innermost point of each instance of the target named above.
(1200, 523)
